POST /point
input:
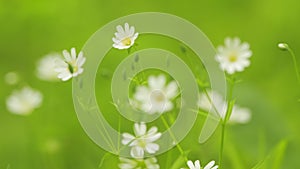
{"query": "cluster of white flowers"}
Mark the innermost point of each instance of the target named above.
(214, 102)
(196, 165)
(157, 96)
(234, 56)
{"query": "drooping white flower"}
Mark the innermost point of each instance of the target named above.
(46, 67)
(238, 115)
(149, 163)
(124, 37)
(234, 56)
(24, 101)
(157, 96)
(196, 165)
(142, 141)
(71, 65)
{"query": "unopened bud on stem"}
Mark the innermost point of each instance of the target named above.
(283, 46)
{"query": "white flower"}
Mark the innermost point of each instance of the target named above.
(71, 66)
(238, 115)
(197, 165)
(46, 67)
(234, 56)
(124, 38)
(142, 141)
(149, 163)
(157, 96)
(24, 101)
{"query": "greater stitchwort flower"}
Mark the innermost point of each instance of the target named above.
(124, 38)
(215, 102)
(71, 66)
(24, 101)
(234, 56)
(157, 96)
(46, 67)
(149, 163)
(196, 165)
(142, 141)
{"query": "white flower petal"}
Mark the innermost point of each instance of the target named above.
(210, 165)
(157, 83)
(140, 129)
(151, 148)
(127, 138)
(137, 152)
(171, 90)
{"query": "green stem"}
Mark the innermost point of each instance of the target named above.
(223, 125)
(173, 137)
(230, 104)
(295, 63)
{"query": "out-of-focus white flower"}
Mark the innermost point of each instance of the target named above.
(238, 115)
(46, 67)
(11, 78)
(196, 165)
(234, 56)
(149, 163)
(157, 96)
(24, 101)
(71, 66)
(142, 141)
(124, 38)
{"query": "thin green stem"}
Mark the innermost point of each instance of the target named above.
(223, 126)
(224, 121)
(295, 63)
(119, 135)
(173, 137)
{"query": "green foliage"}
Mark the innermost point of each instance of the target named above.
(274, 159)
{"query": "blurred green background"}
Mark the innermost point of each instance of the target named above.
(52, 138)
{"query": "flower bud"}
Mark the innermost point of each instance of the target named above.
(283, 46)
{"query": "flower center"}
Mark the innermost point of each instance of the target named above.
(158, 96)
(126, 41)
(72, 68)
(142, 143)
(232, 58)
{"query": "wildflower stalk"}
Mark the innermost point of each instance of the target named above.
(284, 46)
(174, 138)
(230, 104)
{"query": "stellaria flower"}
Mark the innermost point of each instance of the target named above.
(234, 56)
(197, 165)
(124, 37)
(142, 141)
(157, 96)
(238, 115)
(71, 66)
(149, 163)
(46, 67)
(24, 101)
